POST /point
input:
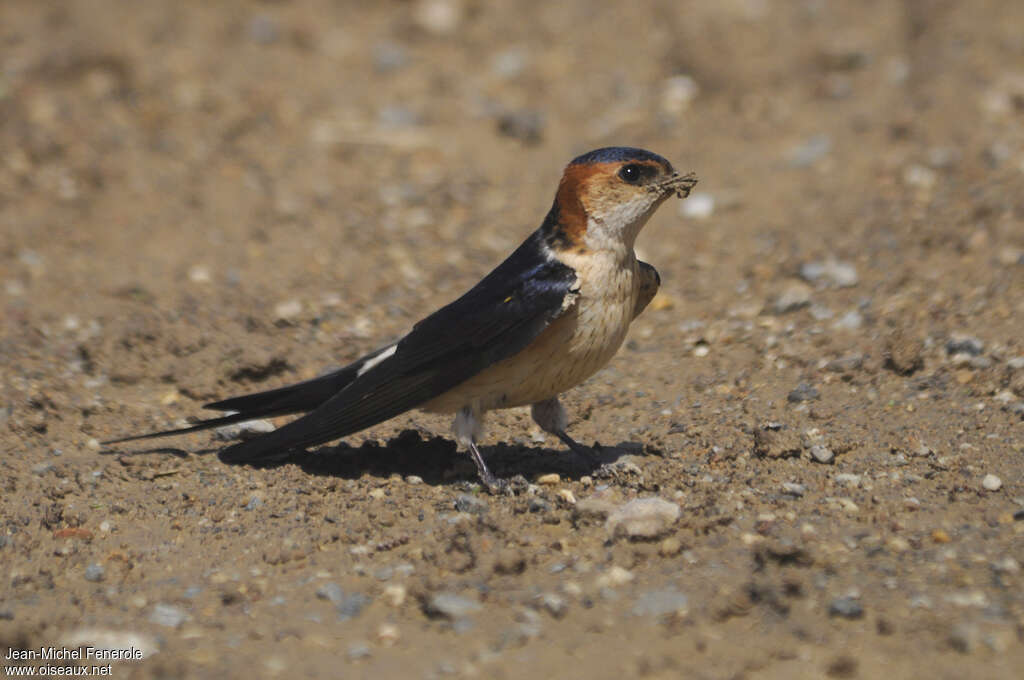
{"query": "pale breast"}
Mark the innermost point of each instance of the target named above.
(574, 347)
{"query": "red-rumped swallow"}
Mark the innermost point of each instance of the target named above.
(545, 320)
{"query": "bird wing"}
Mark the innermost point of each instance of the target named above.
(494, 320)
(649, 284)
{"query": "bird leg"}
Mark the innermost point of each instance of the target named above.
(467, 427)
(551, 417)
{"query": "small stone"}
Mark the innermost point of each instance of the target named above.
(959, 343)
(830, 272)
(351, 605)
(388, 634)
(395, 595)
(566, 496)
(553, 604)
(699, 205)
(538, 506)
(803, 392)
(413, 480)
(331, 591)
(464, 502)
(850, 321)
(549, 479)
(440, 17)
(614, 577)
(168, 615)
(795, 296)
(643, 518)
(991, 483)
(450, 606)
(660, 602)
(285, 311)
(847, 479)
(593, 508)
(41, 468)
(677, 93)
(845, 607)
(793, 489)
(822, 454)
(94, 573)
(940, 536)
(670, 547)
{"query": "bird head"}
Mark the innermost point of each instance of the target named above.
(607, 195)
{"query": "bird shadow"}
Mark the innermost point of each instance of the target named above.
(435, 460)
(438, 461)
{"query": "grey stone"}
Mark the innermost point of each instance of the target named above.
(450, 606)
(168, 615)
(822, 453)
(809, 151)
(803, 392)
(845, 607)
(960, 343)
(94, 573)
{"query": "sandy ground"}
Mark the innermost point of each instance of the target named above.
(201, 199)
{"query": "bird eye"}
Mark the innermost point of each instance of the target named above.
(631, 173)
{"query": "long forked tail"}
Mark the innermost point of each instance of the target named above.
(298, 398)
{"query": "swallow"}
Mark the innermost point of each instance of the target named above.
(546, 319)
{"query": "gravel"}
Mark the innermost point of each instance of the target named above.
(643, 518)
(991, 483)
(94, 573)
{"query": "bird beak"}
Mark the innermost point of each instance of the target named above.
(677, 184)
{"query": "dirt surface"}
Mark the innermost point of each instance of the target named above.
(202, 199)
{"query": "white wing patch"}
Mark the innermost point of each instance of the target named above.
(384, 355)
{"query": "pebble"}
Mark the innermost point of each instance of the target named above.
(615, 576)
(803, 392)
(830, 272)
(643, 518)
(351, 606)
(850, 321)
(330, 591)
(94, 573)
(822, 453)
(845, 607)
(41, 468)
(553, 604)
(794, 489)
(395, 595)
(465, 502)
(450, 606)
(656, 603)
(700, 205)
(1016, 363)
(795, 296)
(388, 634)
(678, 93)
(991, 483)
(550, 479)
(670, 547)
(847, 479)
(809, 151)
(904, 353)
(413, 480)
(168, 615)
(538, 505)
(960, 343)
(440, 17)
(287, 310)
